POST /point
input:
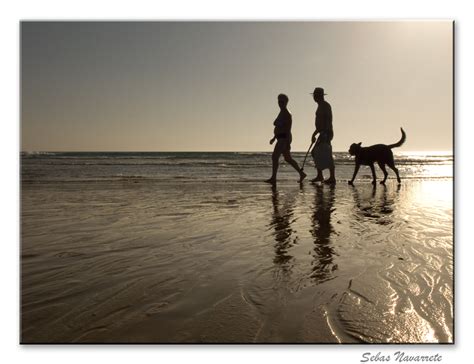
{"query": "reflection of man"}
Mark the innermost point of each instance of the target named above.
(322, 151)
(321, 231)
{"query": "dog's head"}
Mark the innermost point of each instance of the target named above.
(355, 148)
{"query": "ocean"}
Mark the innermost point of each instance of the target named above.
(212, 166)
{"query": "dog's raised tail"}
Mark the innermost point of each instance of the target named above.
(400, 142)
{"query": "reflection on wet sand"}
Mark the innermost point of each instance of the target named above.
(322, 229)
(369, 207)
(285, 236)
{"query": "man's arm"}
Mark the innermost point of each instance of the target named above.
(313, 137)
(325, 123)
(329, 111)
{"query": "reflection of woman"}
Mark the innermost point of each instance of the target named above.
(322, 230)
(282, 134)
(284, 234)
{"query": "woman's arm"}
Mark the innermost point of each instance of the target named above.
(287, 124)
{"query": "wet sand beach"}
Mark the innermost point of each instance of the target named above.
(183, 261)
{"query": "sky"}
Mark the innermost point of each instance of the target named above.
(213, 86)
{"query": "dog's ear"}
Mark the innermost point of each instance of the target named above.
(359, 144)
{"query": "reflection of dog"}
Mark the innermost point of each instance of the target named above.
(380, 153)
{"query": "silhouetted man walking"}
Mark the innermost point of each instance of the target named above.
(322, 151)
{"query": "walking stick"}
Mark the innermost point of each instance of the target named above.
(302, 167)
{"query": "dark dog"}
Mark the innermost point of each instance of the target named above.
(380, 153)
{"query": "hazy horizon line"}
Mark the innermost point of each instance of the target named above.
(210, 151)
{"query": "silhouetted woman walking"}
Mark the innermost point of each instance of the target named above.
(282, 134)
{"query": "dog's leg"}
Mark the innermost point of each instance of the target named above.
(374, 177)
(392, 166)
(385, 174)
(357, 166)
